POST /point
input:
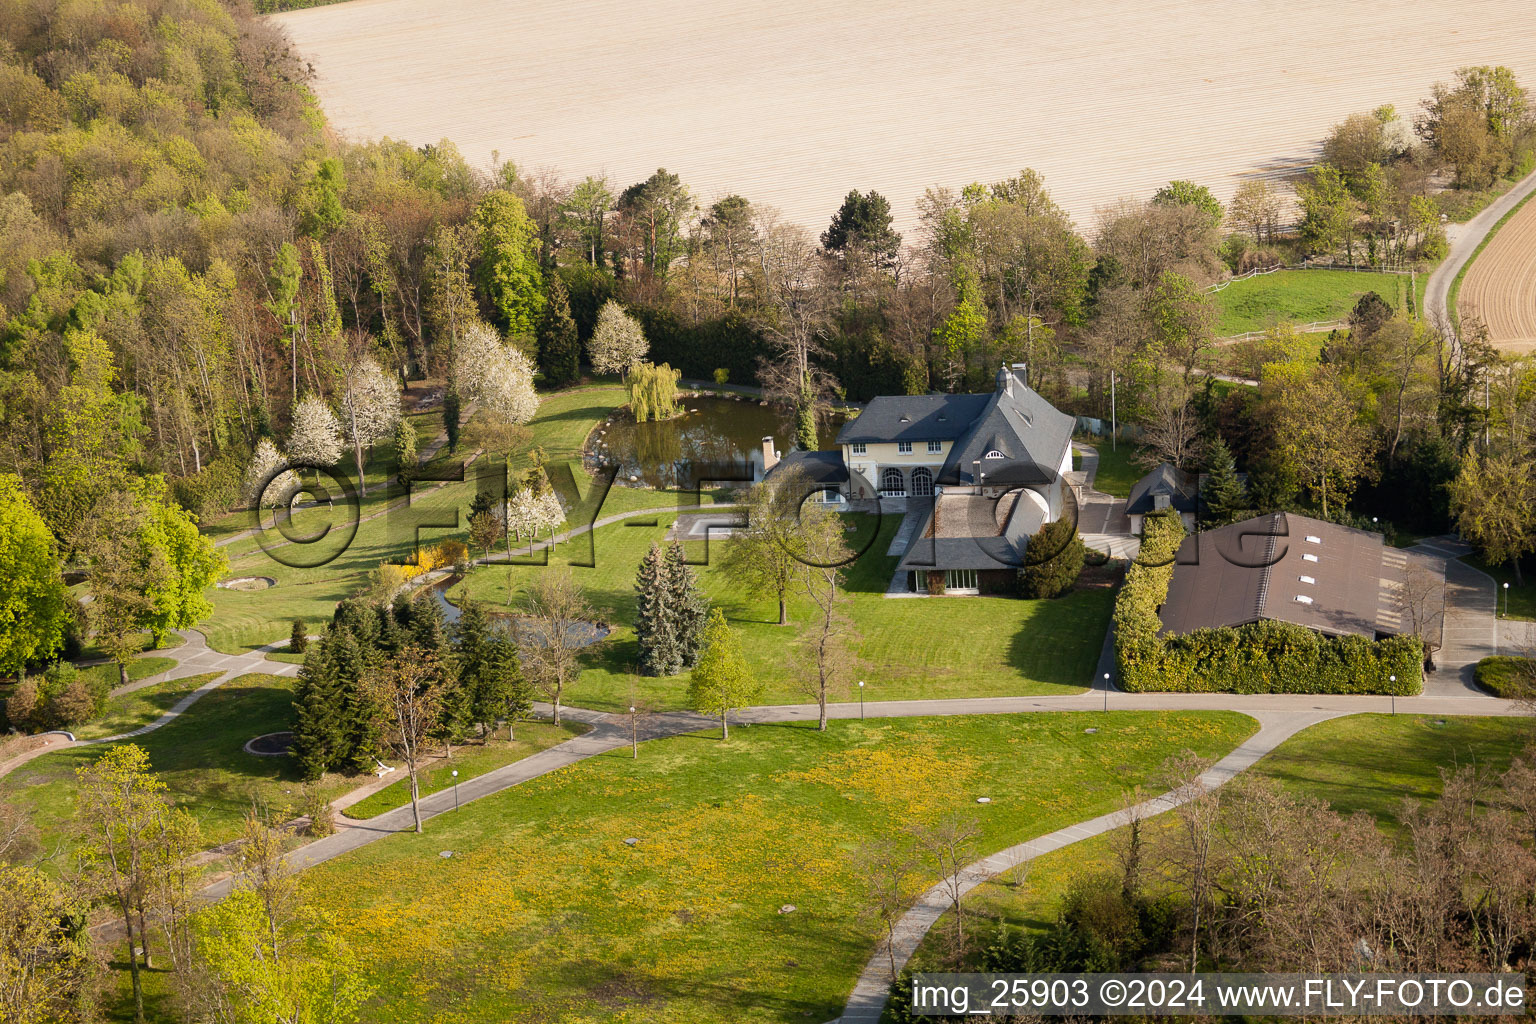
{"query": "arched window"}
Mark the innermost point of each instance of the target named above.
(994, 454)
(922, 482)
(891, 483)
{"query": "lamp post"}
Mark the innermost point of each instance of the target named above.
(861, 700)
(634, 734)
(1394, 693)
(1106, 691)
(455, 789)
(1506, 600)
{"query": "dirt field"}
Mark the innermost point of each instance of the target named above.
(1500, 285)
(793, 103)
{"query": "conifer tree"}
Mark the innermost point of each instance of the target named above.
(317, 735)
(1223, 498)
(655, 625)
(488, 671)
(559, 350)
(687, 605)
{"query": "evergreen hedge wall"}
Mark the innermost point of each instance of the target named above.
(1262, 657)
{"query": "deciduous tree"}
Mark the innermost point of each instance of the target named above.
(721, 680)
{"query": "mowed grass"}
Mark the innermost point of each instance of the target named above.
(1369, 763)
(1373, 763)
(1118, 469)
(1300, 296)
(313, 577)
(544, 913)
(469, 760)
(908, 648)
(199, 756)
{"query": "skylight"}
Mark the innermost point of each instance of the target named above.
(1308, 579)
(1309, 558)
(1311, 539)
(1303, 599)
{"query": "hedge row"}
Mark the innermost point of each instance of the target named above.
(1261, 657)
(1506, 676)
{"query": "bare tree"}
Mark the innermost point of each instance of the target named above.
(827, 642)
(949, 846)
(1191, 859)
(887, 866)
(1421, 603)
(263, 870)
(556, 628)
(410, 692)
(796, 312)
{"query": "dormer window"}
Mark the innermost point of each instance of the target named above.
(860, 448)
(904, 447)
(994, 454)
(935, 447)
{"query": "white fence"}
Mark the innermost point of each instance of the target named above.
(1221, 285)
(1315, 327)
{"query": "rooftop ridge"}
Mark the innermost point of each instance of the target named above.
(1267, 565)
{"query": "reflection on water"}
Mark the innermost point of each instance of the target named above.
(587, 632)
(714, 438)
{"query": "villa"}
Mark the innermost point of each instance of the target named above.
(976, 474)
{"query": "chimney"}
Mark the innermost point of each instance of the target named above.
(1021, 371)
(976, 475)
(770, 457)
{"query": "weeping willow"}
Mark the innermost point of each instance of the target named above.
(653, 391)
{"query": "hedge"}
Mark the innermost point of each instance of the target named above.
(1505, 675)
(1261, 657)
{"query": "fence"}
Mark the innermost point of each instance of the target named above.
(1315, 327)
(1308, 265)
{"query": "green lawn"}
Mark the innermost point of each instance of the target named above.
(909, 647)
(1118, 470)
(245, 619)
(1300, 296)
(469, 760)
(139, 708)
(199, 756)
(544, 913)
(1372, 763)
(1367, 763)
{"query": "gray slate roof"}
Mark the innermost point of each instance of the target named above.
(913, 418)
(815, 467)
(1182, 489)
(1020, 425)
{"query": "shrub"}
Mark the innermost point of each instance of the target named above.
(1260, 657)
(1506, 676)
(75, 706)
(314, 806)
(1060, 555)
(22, 704)
(298, 642)
(722, 375)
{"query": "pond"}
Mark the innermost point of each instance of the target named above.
(713, 438)
(583, 633)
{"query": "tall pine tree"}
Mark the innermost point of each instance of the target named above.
(489, 672)
(317, 728)
(1223, 498)
(687, 605)
(655, 625)
(559, 350)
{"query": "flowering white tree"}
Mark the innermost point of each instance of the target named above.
(268, 483)
(531, 512)
(370, 408)
(618, 342)
(316, 436)
(496, 375)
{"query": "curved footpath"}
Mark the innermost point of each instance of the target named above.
(1467, 237)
